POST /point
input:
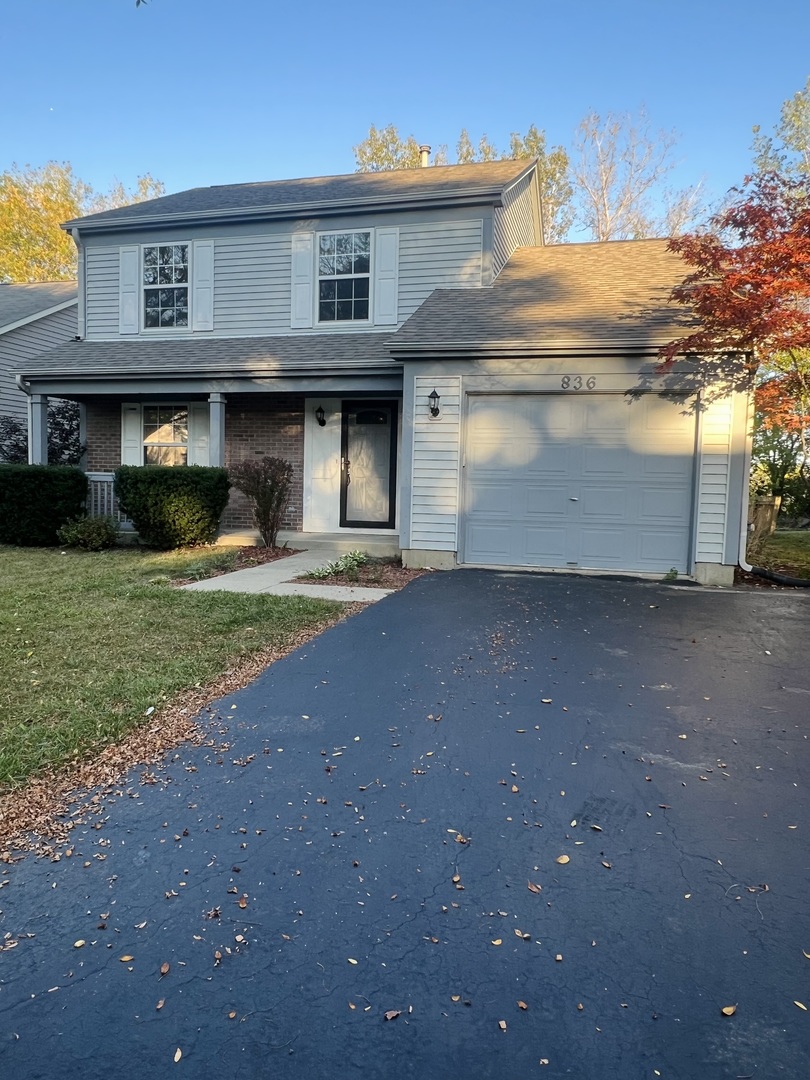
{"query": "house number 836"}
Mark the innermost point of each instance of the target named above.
(576, 382)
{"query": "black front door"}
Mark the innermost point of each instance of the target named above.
(368, 464)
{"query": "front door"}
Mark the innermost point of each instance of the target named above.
(368, 461)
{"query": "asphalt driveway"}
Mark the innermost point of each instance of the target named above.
(546, 826)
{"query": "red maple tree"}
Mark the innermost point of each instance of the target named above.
(749, 287)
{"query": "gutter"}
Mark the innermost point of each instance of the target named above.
(23, 384)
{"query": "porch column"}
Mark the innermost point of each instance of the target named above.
(38, 429)
(216, 429)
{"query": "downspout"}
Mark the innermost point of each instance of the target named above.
(22, 384)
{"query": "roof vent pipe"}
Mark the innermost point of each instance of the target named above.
(424, 155)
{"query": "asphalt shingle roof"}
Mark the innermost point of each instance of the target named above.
(22, 301)
(313, 353)
(596, 295)
(320, 192)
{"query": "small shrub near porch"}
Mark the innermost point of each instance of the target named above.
(266, 482)
(172, 507)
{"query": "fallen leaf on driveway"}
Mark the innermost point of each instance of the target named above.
(160, 1004)
(497, 941)
(126, 959)
(539, 888)
(502, 1025)
(728, 1010)
(78, 944)
(352, 960)
(164, 969)
(392, 1014)
(562, 859)
(800, 1005)
(178, 1054)
(522, 1005)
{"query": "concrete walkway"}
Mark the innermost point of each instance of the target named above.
(278, 579)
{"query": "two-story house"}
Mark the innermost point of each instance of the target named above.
(433, 372)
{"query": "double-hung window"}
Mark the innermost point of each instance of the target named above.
(165, 435)
(344, 273)
(165, 286)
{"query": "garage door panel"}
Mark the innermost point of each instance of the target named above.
(549, 502)
(585, 480)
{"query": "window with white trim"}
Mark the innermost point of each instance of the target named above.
(165, 435)
(344, 276)
(165, 286)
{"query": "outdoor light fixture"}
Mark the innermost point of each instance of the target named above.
(320, 416)
(433, 404)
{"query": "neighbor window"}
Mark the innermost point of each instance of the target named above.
(165, 286)
(344, 265)
(165, 435)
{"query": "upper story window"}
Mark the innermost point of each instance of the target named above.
(165, 286)
(344, 272)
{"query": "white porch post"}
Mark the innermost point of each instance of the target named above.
(216, 433)
(38, 429)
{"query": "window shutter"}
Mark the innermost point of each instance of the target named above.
(302, 269)
(198, 433)
(386, 276)
(131, 434)
(129, 290)
(202, 300)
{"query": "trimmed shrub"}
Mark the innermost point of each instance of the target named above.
(172, 506)
(266, 482)
(90, 534)
(35, 500)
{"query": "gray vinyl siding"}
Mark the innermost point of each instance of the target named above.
(252, 284)
(252, 269)
(515, 224)
(440, 255)
(101, 270)
(713, 481)
(435, 465)
(18, 346)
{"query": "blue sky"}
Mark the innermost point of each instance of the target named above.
(202, 92)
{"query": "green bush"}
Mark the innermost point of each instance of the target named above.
(347, 564)
(172, 506)
(35, 500)
(266, 482)
(90, 534)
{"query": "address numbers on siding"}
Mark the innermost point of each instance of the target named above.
(577, 382)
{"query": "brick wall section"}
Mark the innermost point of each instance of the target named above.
(252, 429)
(266, 426)
(103, 436)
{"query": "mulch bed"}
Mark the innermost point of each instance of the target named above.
(375, 574)
(742, 577)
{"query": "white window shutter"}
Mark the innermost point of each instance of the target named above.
(198, 433)
(303, 246)
(129, 293)
(131, 434)
(386, 276)
(202, 272)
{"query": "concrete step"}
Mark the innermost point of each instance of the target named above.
(375, 544)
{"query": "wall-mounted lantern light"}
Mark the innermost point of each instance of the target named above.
(433, 404)
(320, 416)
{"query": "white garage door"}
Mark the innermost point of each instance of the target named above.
(592, 481)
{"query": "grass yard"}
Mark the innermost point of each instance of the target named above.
(787, 553)
(90, 641)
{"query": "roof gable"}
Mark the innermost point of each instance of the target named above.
(21, 303)
(435, 185)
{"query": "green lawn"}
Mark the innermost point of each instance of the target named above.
(787, 553)
(88, 642)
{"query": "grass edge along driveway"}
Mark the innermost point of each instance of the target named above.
(92, 643)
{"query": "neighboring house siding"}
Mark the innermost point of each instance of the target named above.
(713, 481)
(514, 224)
(20, 345)
(441, 255)
(435, 465)
(101, 275)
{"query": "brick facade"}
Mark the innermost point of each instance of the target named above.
(272, 426)
(265, 425)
